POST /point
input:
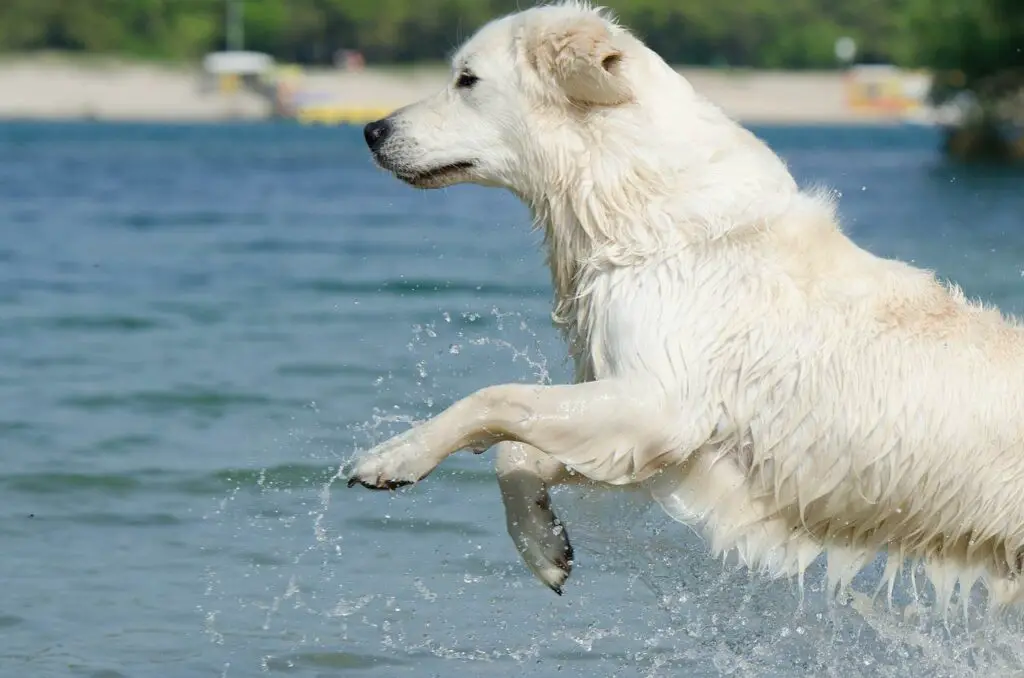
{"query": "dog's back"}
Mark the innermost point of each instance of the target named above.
(864, 407)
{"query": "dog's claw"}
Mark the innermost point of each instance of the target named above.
(556, 570)
(379, 484)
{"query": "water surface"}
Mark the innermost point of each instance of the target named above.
(199, 324)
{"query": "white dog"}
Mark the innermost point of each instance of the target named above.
(736, 355)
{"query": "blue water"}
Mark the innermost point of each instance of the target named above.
(199, 324)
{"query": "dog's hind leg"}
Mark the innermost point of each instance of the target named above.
(525, 475)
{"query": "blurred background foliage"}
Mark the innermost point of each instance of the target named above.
(977, 37)
(974, 48)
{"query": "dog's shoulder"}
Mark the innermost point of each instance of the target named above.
(830, 270)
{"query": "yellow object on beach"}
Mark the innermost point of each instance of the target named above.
(229, 83)
(339, 115)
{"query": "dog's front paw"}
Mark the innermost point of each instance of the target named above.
(398, 462)
(541, 539)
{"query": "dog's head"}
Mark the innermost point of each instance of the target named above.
(523, 88)
(563, 106)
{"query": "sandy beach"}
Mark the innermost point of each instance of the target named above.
(54, 88)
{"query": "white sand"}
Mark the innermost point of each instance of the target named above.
(57, 88)
(61, 89)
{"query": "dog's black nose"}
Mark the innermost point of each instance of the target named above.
(376, 132)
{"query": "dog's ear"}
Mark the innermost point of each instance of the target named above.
(583, 59)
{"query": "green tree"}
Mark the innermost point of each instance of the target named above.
(976, 49)
(792, 34)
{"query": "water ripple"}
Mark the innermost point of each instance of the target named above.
(418, 526)
(328, 660)
(100, 323)
(198, 401)
(423, 287)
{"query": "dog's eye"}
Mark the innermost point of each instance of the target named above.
(466, 80)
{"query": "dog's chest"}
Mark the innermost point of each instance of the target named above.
(639, 319)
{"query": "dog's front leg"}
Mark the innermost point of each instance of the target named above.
(525, 475)
(613, 431)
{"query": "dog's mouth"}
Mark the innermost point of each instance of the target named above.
(435, 177)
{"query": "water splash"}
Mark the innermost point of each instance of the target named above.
(753, 626)
(646, 597)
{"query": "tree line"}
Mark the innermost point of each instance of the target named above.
(753, 33)
(977, 44)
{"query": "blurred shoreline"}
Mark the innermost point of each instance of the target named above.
(56, 87)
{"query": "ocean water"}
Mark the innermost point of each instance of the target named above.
(199, 324)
